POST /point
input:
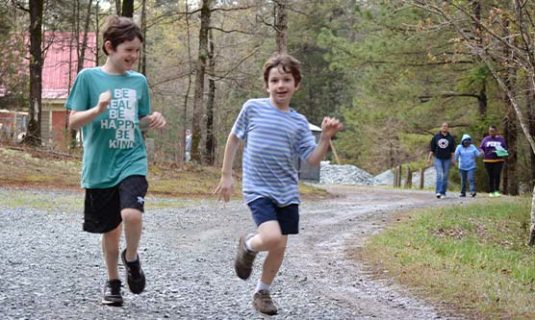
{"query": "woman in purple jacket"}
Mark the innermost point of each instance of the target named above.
(493, 163)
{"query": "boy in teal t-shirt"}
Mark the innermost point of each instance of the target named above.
(109, 104)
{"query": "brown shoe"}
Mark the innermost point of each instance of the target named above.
(262, 303)
(244, 259)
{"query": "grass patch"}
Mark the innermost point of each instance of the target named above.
(38, 169)
(473, 257)
(49, 202)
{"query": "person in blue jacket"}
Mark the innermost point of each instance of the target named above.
(465, 155)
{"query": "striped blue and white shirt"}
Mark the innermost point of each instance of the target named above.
(272, 140)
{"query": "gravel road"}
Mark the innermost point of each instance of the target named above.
(50, 269)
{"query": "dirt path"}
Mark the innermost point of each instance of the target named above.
(52, 270)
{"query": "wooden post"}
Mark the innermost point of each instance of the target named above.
(399, 173)
(334, 152)
(422, 176)
(408, 180)
(395, 182)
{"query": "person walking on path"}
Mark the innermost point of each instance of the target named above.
(466, 155)
(442, 147)
(273, 133)
(494, 149)
(110, 103)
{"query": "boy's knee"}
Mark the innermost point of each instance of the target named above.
(274, 240)
(131, 216)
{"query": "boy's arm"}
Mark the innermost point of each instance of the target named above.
(154, 120)
(329, 127)
(78, 119)
(226, 183)
(431, 148)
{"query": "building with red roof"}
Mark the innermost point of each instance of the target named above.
(59, 72)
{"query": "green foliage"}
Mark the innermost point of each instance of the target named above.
(400, 70)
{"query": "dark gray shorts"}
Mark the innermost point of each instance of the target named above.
(102, 210)
(264, 209)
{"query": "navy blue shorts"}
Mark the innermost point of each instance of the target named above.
(264, 209)
(102, 209)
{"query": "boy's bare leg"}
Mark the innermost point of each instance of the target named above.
(269, 238)
(132, 220)
(110, 250)
(273, 261)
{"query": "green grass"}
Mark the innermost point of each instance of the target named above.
(56, 202)
(473, 257)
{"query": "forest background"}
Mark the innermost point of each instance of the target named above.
(392, 71)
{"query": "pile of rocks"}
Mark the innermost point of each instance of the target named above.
(349, 174)
(386, 178)
(343, 174)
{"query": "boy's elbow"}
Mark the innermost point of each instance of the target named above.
(314, 162)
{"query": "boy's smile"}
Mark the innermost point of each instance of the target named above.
(281, 88)
(124, 56)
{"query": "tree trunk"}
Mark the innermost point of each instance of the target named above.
(81, 58)
(510, 181)
(200, 72)
(531, 240)
(143, 60)
(210, 139)
(482, 97)
(530, 102)
(281, 25)
(182, 134)
(127, 9)
(118, 7)
(33, 136)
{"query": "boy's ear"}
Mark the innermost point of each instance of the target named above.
(108, 46)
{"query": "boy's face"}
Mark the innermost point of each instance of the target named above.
(125, 55)
(281, 87)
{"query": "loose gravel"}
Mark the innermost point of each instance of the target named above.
(50, 269)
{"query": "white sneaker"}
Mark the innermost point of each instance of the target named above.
(443, 196)
(439, 196)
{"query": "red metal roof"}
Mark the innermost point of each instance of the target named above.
(57, 76)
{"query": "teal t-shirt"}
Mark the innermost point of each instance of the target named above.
(113, 143)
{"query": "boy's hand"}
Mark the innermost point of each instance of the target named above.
(154, 120)
(103, 101)
(330, 126)
(225, 188)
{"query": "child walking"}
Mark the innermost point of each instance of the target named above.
(466, 154)
(109, 104)
(273, 133)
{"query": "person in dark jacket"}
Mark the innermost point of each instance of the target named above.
(442, 147)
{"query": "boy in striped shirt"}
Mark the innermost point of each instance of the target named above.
(273, 134)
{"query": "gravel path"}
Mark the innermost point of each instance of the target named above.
(52, 270)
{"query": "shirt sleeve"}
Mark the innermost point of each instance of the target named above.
(306, 142)
(144, 101)
(241, 125)
(78, 99)
(432, 145)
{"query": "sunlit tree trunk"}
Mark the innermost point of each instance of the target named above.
(33, 136)
(127, 9)
(200, 72)
(210, 139)
(281, 25)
